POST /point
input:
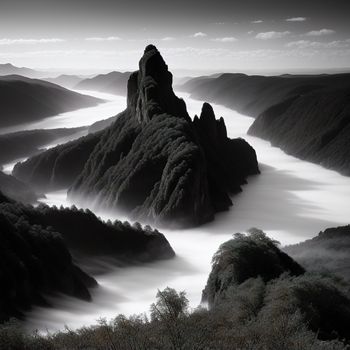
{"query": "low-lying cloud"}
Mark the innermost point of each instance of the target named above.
(227, 39)
(271, 35)
(296, 19)
(320, 32)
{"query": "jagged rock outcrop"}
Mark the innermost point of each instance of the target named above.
(153, 162)
(306, 116)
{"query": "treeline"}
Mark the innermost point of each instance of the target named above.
(37, 244)
(255, 309)
(328, 252)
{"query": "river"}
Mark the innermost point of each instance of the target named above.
(291, 200)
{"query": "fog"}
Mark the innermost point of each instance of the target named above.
(291, 200)
(81, 117)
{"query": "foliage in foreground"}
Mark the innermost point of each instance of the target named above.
(289, 311)
(239, 323)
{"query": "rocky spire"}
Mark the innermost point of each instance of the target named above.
(150, 89)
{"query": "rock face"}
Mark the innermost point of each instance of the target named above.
(153, 162)
(306, 116)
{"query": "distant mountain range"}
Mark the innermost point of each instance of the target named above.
(9, 69)
(305, 115)
(66, 80)
(112, 83)
(25, 100)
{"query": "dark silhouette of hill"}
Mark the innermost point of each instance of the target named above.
(153, 162)
(258, 308)
(250, 271)
(314, 126)
(59, 166)
(17, 189)
(10, 69)
(38, 99)
(305, 115)
(27, 143)
(328, 252)
(244, 257)
(35, 259)
(66, 80)
(112, 83)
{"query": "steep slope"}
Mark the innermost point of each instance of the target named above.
(34, 261)
(306, 116)
(153, 162)
(17, 189)
(57, 167)
(27, 143)
(112, 83)
(38, 99)
(34, 256)
(314, 126)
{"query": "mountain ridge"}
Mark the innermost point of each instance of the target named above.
(152, 162)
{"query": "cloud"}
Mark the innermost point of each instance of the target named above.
(296, 19)
(168, 38)
(321, 32)
(109, 38)
(30, 41)
(258, 21)
(308, 44)
(271, 35)
(227, 39)
(199, 35)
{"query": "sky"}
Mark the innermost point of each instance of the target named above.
(207, 35)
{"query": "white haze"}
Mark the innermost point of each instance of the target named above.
(80, 117)
(291, 200)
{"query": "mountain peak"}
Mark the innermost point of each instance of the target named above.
(150, 90)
